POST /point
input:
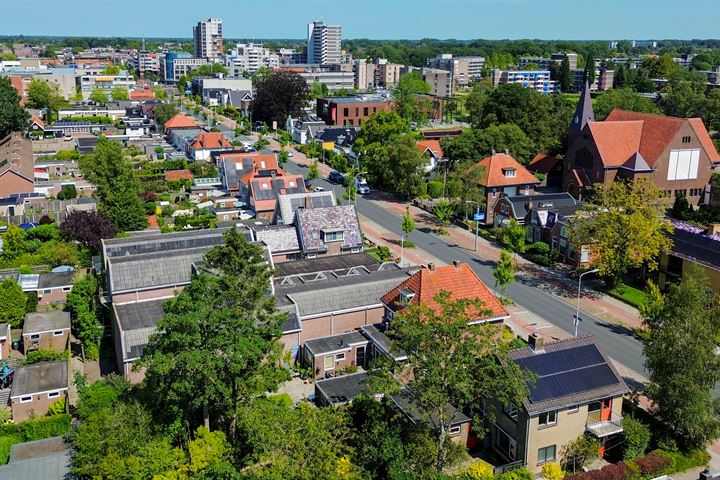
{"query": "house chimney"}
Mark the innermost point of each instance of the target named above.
(493, 152)
(457, 264)
(507, 152)
(273, 173)
(342, 341)
(308, 202)
(713, 229)
(431, 267)
(536, 342)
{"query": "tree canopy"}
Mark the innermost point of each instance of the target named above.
(623, 98)
(44, 95)
(13, 117)
(279, 95)
(12, 302)
(410, 103)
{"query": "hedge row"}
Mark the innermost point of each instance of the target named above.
(652, 465)
(29, 430)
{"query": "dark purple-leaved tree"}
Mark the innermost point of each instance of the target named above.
(88, 228)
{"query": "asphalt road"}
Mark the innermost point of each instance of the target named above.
(614, 340)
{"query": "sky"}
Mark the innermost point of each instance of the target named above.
(375, 19)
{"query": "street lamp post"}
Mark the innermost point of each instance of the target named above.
(477, 222)
(402, 247)
(577, 309)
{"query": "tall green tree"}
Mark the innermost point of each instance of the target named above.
(565, 75)
(99, 96)
(217, 347)
(504, 271)
(455, 363)
(12, 302)
(13, 117)
(473, 145)
(164, 112)
(44, 95)
(117, 187)
(623, 98)
(410, 101)
(407, 224)
(512, 236)
(379, 128)
(681, 358)
(397, 165)
(82, 303)
(619, 77)
(313, 172)
(279, 95)
(119, 93)
(14, 242)
(590, 69)
(625, 227)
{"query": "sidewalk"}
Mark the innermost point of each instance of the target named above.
(381, 236)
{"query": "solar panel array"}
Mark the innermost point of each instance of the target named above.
(567, 372)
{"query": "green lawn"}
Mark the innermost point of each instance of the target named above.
(634, 296)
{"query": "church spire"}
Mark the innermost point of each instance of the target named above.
(584, 110)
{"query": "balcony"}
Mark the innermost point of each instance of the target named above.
(603, 428)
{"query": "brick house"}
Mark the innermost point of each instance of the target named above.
(266, 185)
(350, 110)
(577, 391)
(5, 341)
(207, 142)
(500, 173)
(458, 279)
(692, 246)
(329, 230)
(432, 152)
(51, 288)
(133, 325)
(35, 387)
(327, 355)
(16, 166)
(46, 331)
(675, 154)
(282, 240)
(179, 121)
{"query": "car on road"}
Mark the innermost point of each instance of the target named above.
(337, 177)
(289, 153)
(361, 186)
(318, 189)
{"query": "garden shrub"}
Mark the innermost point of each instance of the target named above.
(423, 190)
(37, 356)
(541, 248)
(56, 408)
(685, 461)
(6, 442)
(520, 473)
(653, 463)
(479, 471)
(637, 437)
(618, 471)
(454, 188)
(435, 189)
(552, 471)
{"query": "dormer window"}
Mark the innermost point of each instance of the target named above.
(509, 172)
(332, 235)
(265, 186)
(406, 296)
(262, 164)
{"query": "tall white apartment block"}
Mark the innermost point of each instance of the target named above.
(323, 43)
(208, 39)
(249, 57)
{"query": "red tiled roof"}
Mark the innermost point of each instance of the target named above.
(704, 137)
(461, 281)
(175, 175)
(432, 145)
(17, 82)
(542, 163)
(180, 121)
(657, 131)
(39, 122)
(493, 171)
(142, 95)
(617, 141)
(206, 140)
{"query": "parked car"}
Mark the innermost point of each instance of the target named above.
(337, 177)
(319, 189)
(290, 154)
(361, 186)
(308, 184)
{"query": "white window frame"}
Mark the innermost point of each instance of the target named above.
(35, 336)
(339, 357)
(512, 411)
(58, 333)
(573, 408)
(330, 358)
(66, 289)
(454, 431)
(27, 399)
(545, 460)
(53, 394)
(548, 422)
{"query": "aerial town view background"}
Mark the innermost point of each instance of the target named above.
(462, 239)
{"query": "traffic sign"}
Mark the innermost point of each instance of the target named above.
(477, 217)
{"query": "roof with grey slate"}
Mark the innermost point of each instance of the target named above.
(55, 466)
(134, 342)
(288, 203)
(37, 322)
(404, 401)
(39, 377)
(324, 345)
(136, 315)
(325, 292)
(38, 448)
(326, 263)
(376, 334)
(280, 238)
(343, 389)
(162, 242)
(547, 201)
(151, 270)
(569, 372)
(312, 222)
(56, 280)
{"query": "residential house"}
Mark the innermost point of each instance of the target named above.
(380, 345)
(497, 174)
(459, 423)
(207, 142)
(181, 138)
(178, 121)
(329, 230)
(48, 459)
(577, 391)
(328, 356)
(340, 390)
(286, 271)
(339, 139)
(432, 152)
(325, 303)
(561, 238)
(228, 208)
(133, 325)
(35, 387)
(236, 168)
(518, 207)
(538, 80)
(458, 279)
(178, 175)
(288, 204)
(304, 129)
(264, 186)
(239, 99)
(692, 246)
(16, 166)
(46, 331)
(282, 240)
(675, 154)
(549, 168)
(5, 341)
(351, 110)
(51, 288)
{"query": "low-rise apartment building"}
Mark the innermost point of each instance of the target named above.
(351, 110)
(538, 80)
(105, 83)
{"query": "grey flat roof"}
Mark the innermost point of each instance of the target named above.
(376, 334)
(321, 264)
(162, 242)
(55, 280)
(37, 322)
(38, 448)
(54, 466)
(153, 270)
(319, 346)
(132, 316)
(39, 377)
(343, 389)
(405, 402)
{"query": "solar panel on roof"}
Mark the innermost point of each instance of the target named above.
(554, 362)
(572, 382)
